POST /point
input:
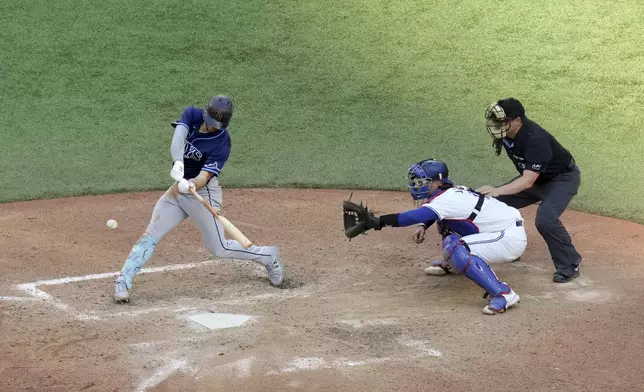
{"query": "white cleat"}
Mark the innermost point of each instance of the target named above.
(435, 271)
(501, 303)
(121, 294)
(438, 268)
(275, 269)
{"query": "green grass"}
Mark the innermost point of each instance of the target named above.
(328, 93)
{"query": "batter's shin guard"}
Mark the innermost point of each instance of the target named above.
(139, 255)
(475, 268)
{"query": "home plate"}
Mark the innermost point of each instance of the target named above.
(219, 320)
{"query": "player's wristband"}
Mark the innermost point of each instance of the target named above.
(389, 220)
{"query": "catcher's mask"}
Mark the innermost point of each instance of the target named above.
(218, 112)
(420, 176)
(497, 122)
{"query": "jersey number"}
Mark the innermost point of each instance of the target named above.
(462, 189)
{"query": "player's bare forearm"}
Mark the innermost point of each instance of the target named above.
(526, 181)
(202, 179)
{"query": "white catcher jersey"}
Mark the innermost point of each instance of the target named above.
(456, 204)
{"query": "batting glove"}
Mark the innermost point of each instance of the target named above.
(184, 185)
(177, 171)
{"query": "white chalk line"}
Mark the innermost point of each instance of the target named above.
(421, 347)
(155, 343)
(72, 279)
(164, 372)
(20, 299)
(314, 363)
(139, 312)
(174, 309)
(48, 299)
(33, 290)
(241, 368)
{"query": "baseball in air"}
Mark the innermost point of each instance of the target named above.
(112, 224)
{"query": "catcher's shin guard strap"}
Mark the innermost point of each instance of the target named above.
(475, 268)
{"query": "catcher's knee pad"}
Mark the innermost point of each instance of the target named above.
(443, 230)
(475, 268)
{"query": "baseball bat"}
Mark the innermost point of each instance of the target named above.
(228, 226)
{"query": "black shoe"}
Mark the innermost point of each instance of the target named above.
(561, 278)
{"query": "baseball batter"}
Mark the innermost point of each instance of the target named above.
(477, 230)
(200, 148)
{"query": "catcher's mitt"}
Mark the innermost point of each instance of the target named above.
(357, 219)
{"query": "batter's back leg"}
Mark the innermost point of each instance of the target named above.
(213, 236)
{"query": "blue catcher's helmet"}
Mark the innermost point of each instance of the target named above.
(421, 174)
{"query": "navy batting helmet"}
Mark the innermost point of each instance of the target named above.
(421, 174)
(218, 112)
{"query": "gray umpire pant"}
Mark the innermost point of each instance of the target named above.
(555, 195)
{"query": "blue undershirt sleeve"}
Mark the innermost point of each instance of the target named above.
(423, 215)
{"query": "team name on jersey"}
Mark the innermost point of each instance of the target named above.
(191, 152)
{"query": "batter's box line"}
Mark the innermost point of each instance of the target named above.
(33, 289)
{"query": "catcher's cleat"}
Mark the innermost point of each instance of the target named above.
(275, 269)
(501, 302)
(121, 294)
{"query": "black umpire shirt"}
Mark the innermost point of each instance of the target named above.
(535, 149)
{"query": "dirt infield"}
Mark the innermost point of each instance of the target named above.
(354, 316)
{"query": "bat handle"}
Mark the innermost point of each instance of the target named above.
(194, 192)
(206, 204)
(198, 196)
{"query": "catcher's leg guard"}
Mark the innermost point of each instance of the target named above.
(477, 270)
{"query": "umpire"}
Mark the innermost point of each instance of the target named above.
(547, 174)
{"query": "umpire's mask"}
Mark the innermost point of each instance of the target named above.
(497, 123)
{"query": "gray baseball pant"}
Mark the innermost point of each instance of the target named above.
(554, 196)
(170, 210)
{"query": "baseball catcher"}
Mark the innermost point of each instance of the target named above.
(476, 230)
